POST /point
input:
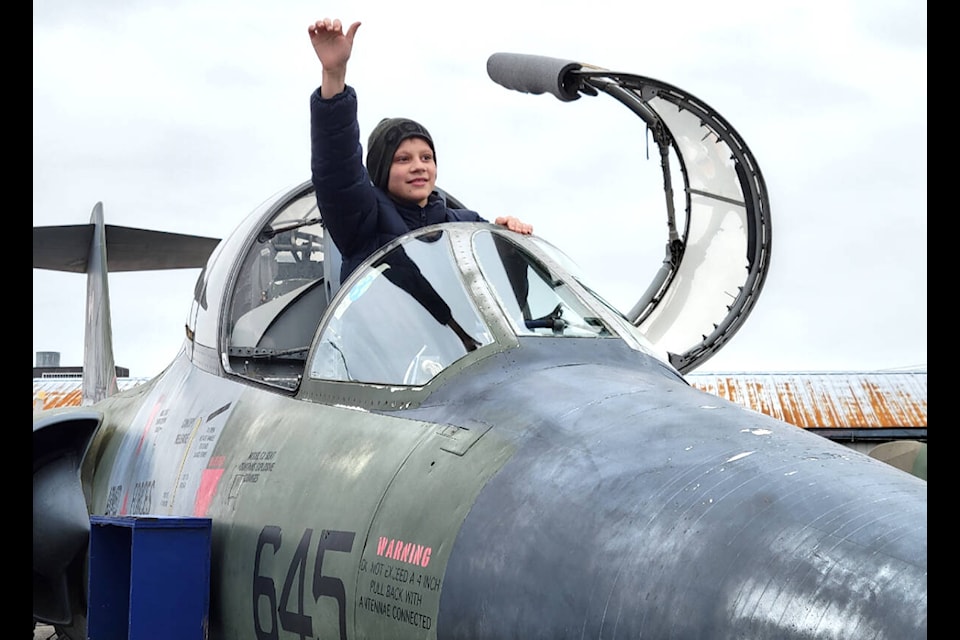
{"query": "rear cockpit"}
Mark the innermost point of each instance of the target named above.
(278, 296)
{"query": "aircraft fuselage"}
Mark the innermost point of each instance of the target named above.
(628, 505)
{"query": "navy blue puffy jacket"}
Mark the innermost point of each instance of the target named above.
(359, 217)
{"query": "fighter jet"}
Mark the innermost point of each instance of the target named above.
(463, 440)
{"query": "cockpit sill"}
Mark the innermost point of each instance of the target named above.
(421, 309)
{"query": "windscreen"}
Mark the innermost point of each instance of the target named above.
(402, 319)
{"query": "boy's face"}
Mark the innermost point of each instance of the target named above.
(413, 173)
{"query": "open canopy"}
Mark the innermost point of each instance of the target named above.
(717, 246)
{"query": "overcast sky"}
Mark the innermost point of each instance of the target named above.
(184, 116)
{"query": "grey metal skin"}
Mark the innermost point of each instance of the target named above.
(630, 505)
(637, 506)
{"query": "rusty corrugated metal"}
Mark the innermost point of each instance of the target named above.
(896, 399)
(824, 400)
(51, 393)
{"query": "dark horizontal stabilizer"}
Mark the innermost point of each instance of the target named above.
(65, 248)
(535, 74)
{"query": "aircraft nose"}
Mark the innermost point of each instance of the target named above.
(672, 524)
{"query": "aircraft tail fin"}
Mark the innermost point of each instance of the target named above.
(99, 370)
(83, 249)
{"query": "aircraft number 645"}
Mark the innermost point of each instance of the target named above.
(292, 618)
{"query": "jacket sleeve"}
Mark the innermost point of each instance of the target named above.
(345, 195)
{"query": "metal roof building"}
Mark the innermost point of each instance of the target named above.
(848, 406)
(65, 391)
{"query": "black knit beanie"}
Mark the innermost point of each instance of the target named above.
(383, 143)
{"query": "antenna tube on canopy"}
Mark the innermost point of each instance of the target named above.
(535, 74)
